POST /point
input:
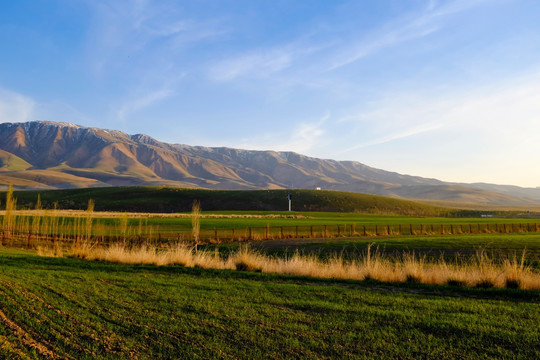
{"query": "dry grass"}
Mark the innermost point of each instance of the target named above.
(56, 251)
(480, 270)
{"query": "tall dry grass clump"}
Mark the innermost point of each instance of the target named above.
(480, 271)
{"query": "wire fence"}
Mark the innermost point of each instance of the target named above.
(27, 239)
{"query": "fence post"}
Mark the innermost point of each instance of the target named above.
(215, 234)
(249, 229)
(325, 233)
(266, 232)
(338, 231)
(296, 231)
(281, 230)
(364, 230)
(233, 234)
(29, 240)
(311, 230)
(452, 229)
(411, 229)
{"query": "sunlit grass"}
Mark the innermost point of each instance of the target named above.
(479, 270)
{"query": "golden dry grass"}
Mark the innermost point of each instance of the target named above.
(480, 270)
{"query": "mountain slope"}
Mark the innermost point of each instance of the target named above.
(60, 155)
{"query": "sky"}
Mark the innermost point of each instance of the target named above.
(439, 89)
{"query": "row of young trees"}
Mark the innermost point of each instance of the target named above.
(43, 222)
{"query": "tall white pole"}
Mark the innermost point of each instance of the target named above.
(289, 197)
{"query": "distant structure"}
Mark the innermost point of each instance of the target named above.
(289, 197)
(318, 188)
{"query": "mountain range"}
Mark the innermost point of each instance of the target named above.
(50, 155)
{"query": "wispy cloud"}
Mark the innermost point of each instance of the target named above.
(485, 109)
(258, 64)
(141, 33)
(310, 56)
(393, 137)
(409, 27)
(300, 138)
(144, 44)
(142, 101)
(465, 134)
(15, 107)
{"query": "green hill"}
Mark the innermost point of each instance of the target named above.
(169, 199)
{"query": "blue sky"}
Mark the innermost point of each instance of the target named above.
(443, 89)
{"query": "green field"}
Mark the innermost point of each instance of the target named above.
(276, 218)
(325, 232)
(77, 309)
(167, 199)
(68, 308)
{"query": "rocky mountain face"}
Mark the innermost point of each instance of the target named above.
(59, 155)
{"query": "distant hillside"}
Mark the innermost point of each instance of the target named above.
(47, 155)
(167, 199)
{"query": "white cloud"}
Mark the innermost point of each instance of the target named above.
(256, 64)
(300, 138)
(412, 131)
(409, 27)
(142, 34)
(488, 132)
(15, 107)
(137, 103)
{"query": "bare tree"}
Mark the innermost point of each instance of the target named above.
(196, 222)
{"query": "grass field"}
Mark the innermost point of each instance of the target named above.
(448, 247)
(63, 307)
(226, 220)
(69, 308)
(168, 199)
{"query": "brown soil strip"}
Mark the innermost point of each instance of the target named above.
(11, 348)
(26, 338)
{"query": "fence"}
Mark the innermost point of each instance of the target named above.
(164, 239)
(355, 230)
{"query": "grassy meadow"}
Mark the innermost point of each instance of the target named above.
(85, 283)
(71, 308)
